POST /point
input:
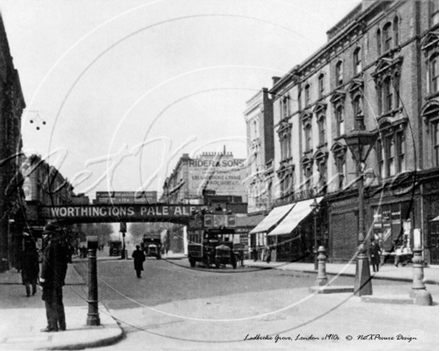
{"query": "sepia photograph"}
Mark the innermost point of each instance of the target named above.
(219, 175)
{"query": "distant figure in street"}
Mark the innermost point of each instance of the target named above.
(53, 274)
(398, 256)
(268, 255)
(375, 255)
(29, 265)
(139, 258)
(255, 254)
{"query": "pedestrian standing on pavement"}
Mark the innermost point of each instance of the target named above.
(30, 267)
(375, 255)
(139, 258)
(53, 274)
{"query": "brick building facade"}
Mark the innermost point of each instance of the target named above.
(11, 109)
(379, 68)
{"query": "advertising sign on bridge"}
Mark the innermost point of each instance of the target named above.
(126, 197)
(111, 213)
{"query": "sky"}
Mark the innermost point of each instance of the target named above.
(119, 90)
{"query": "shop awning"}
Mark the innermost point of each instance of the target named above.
(245, 221)
(299, 212)
(435, 219)
(276, 215)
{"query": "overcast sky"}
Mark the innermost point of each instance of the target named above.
(126, 87)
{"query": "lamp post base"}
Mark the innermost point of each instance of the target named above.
(362, 280)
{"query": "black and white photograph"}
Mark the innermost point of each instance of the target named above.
(219, 175)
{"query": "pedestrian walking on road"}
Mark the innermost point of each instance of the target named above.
(30, 267)
(139, 258)
(375, 255)
(398, 256)
(53, 274)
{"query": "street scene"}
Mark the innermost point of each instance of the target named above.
(219, 174)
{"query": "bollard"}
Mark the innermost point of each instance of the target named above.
(93, 312)
(321, 279)
(418, 291)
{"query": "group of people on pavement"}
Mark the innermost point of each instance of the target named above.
(402, 254)
(55, 256)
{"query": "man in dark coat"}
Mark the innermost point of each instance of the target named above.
(375, 255)
(139, 258)
(29, 265)
(53, 273)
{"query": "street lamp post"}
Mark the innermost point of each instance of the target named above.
(315, 208)
(360, 142)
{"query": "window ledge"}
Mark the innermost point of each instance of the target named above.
(391, 113)
(308, 152)
(431, 95)
(320, 146)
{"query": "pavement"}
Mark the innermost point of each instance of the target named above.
(387, 271)
(21, 318)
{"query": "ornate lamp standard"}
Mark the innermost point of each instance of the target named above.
(360, 142)
(315, 208)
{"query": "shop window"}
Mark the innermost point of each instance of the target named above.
(339, 73)
(357, 62)
(389, 221)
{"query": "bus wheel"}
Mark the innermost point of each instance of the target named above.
(192, 262)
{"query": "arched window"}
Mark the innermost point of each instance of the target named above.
(379, 42)
(387, 38)
(393, 144)
(321, 129)
(357, 105)
(285, 106)
(340, 126)
(339, 73)
(307, 95)
(396, 31)
(433, 74)
(321, 86)
(396, 86)
(307, 164)
(387, 95)
(308, 137)
(357, 62)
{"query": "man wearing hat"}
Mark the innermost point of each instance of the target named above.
(53, 273)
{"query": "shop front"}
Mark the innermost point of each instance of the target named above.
(293, 241)
(259, 242)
